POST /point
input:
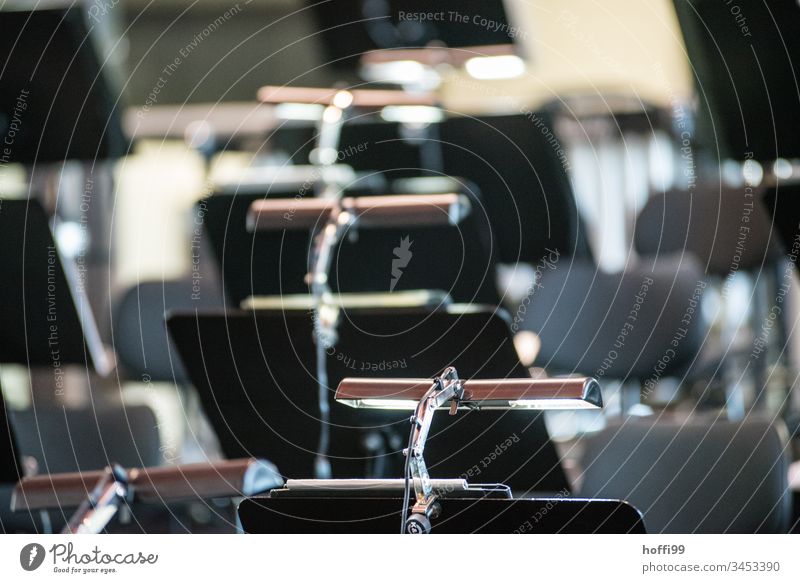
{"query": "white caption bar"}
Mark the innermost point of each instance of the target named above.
(725, 558)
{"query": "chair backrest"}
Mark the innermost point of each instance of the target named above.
(140, 333)
(641, 323)
(71, 440)
(700, 476)
(516, 161)
(727, 229)
(10, 473)
(783, 206)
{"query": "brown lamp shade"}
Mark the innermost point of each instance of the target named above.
(370, 211)
(556, 393)
(365, 98)
(158, 484)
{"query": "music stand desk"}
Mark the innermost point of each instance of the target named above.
(254, 372)
(488, 515)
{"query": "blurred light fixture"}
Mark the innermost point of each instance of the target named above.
(299, 111)
(753, 172)
(500, 67)
(367, 211)
(782, 168)
(527, 344)
(412, 114)
(410, 74)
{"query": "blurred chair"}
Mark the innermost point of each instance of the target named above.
(729, 231)
(71, 440)
(726, 228)
(54, 439)
(516, 162)
(147, 354)
(140, 330)
(693, 477)
(641, 324)
(11, 470)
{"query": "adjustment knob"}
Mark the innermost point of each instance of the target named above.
(418, 524)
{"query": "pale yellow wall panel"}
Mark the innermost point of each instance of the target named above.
(588, 46)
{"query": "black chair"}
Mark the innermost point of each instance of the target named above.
(639, 324)
(701, 476)
(72, 440)
(141, 340)
(11, 470)
(729, 231)
(726, 228)
(515, 160)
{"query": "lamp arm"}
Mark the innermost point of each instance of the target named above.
(317, 278)
(329, 129)
(447, 388)
(102, 504)
(326, 317)
(329, 136)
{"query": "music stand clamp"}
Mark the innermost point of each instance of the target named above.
(446, 388)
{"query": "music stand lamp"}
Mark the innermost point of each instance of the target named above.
(338, 217)
(331, 108)
(448, 390)
(100, 495)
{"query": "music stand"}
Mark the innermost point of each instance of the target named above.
(333, 218)
(10, 460)
(745, 70)
(47, 320)
(254, 374)
(466, 506)
(57, 101)
(275, 514)
(100, 495)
